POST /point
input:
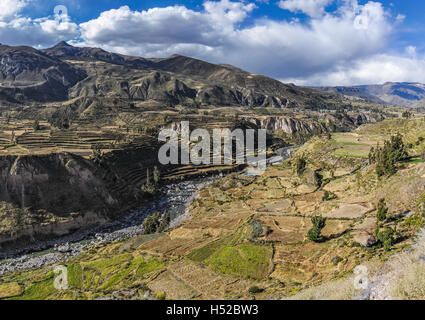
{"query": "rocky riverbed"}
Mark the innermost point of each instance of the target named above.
(176, 199)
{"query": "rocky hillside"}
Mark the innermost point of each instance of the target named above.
(308, 126)
(28, 74)
(46, 196)
(64, 72)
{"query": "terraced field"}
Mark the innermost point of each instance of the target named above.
(21, 136)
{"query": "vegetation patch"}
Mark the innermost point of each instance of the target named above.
(246, 260)
(39, 291)
(8, 290)
(147, 267)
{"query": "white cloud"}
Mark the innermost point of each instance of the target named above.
(376, 69)
(19, 30)
(10, 8)
(175, 25)
(313, 8)
(343, 47)
(281, 49)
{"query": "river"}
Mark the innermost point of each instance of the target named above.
(176, 199)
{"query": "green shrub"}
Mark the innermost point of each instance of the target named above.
(314, 234)
(97, 155)
(382, 212)
(300, 165)
(156, 223)
(336, 259)
(328, 196)
(36, 125)
(386, 237)
(255, 290)
(394, 150)
(257, 230)
(161, 296)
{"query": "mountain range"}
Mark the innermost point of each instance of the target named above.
(90, 75)
(65, 72)
(405, 94)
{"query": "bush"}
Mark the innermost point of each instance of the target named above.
(336, 259)
(97, 155)
(255, 290)
(156, 223)
(36, 125)
(386, 237)
(300, 165)
(314, 234)
(381, 214)
(406, 114)
(328, 196)
(149, 187)
(156, 176)
(257, 230)
(160, 296)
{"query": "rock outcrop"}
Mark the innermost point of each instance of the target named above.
(52, 195)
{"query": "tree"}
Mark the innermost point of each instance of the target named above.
(149, 187)
(381, 214)
(372, 156)
(151, 223)
(156, 176)
(165, 222)
(314, 234)
(13, 139)
(97, 154)
(36, 125)
(156, 223)
(386, 157)
(300, 164)
(385, 164)
(328, 196)
(329, 136)
(397, 148)
(406, 114)
(386, 237)
(148, 176)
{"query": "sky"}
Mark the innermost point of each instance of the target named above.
(306, 42)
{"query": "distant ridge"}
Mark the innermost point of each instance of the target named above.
(405, 94)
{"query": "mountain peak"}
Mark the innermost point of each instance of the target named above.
(63, 44)
(176, 55)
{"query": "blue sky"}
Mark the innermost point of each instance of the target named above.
(308, 42)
